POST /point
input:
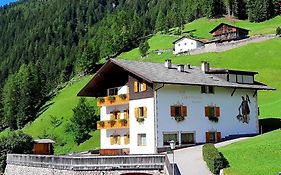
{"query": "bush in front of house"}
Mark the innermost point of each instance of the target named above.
(14, 142)
(213, 158)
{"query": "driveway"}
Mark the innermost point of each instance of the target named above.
(190, 161)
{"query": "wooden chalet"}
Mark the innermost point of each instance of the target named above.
(225, 32)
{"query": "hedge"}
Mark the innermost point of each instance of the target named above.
(213, 158)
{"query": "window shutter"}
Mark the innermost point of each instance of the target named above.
(144, 87)
(126, 114)
(173, 111)
(136, 112)
(112, 117)
(207, 137)
(218, 136)
(206, 111)
(184, 111)
(118, 140)
(217, 112)
(136, 86)
(145, 112)
(125, 139)
(111, 140)
(118, 115)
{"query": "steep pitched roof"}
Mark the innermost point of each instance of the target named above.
(188, 38)
(221, 24)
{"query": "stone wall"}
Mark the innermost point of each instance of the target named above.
(25, 170)
(18, 164)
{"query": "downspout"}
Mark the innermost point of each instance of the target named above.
(155, 118)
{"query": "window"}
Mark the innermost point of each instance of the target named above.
(115, 115)
(185, 44)
(115, 140)
(178, 111)
(126, 114)
(141, 139)
(213, 136)
(112, 91)
(127, 139)
(140, 87)
(207, 90)
(212, 111)
(140, 112)
(167, 137)
(187, 138)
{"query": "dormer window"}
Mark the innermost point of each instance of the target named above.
(207, 90)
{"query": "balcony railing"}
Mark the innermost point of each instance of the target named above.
(113, 124)
(113, 100)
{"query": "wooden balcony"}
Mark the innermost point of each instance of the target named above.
(112, 124)
(113, 100)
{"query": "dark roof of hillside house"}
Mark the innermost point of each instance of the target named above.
(188, 38)
(158, 73)
(221, 24)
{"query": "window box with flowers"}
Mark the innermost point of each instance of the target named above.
(123, 96)
(112, 122)
(101, 123)
(179, 112)
(101, 99)
(111, 98)
(123, 122)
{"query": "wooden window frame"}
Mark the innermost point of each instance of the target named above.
(138, 112)
(115, 139)
(216, 111)
(140, 87)
(183, 110)
(126, 139)
(217, 136)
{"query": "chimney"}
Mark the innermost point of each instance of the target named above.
(205, 66)
(181, 68)
(168, 63)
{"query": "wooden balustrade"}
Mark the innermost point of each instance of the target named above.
(113, 124)
(113, 100)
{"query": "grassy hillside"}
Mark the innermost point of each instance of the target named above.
(55, 115)
(255, 156)
(202, 26)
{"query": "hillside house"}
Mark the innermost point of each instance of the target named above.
(185, 44)
(226, 32)
(144, 105)
(43, 146)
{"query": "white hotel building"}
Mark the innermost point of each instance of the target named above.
(144, 105)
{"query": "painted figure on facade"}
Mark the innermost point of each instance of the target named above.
(244, 109)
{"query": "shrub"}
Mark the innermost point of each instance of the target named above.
(213, 158)
(278, 31)
(14, 142)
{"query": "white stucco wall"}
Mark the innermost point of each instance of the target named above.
(186, 44)
(147, 127)
(196, 121)
(105, 133)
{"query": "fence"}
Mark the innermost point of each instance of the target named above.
(90, 163)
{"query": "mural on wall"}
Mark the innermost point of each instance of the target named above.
(244, 110)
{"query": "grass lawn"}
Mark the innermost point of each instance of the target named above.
(260, 155)
(60, 108)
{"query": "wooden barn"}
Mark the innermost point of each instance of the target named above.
(43, 146)
(226, 32)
